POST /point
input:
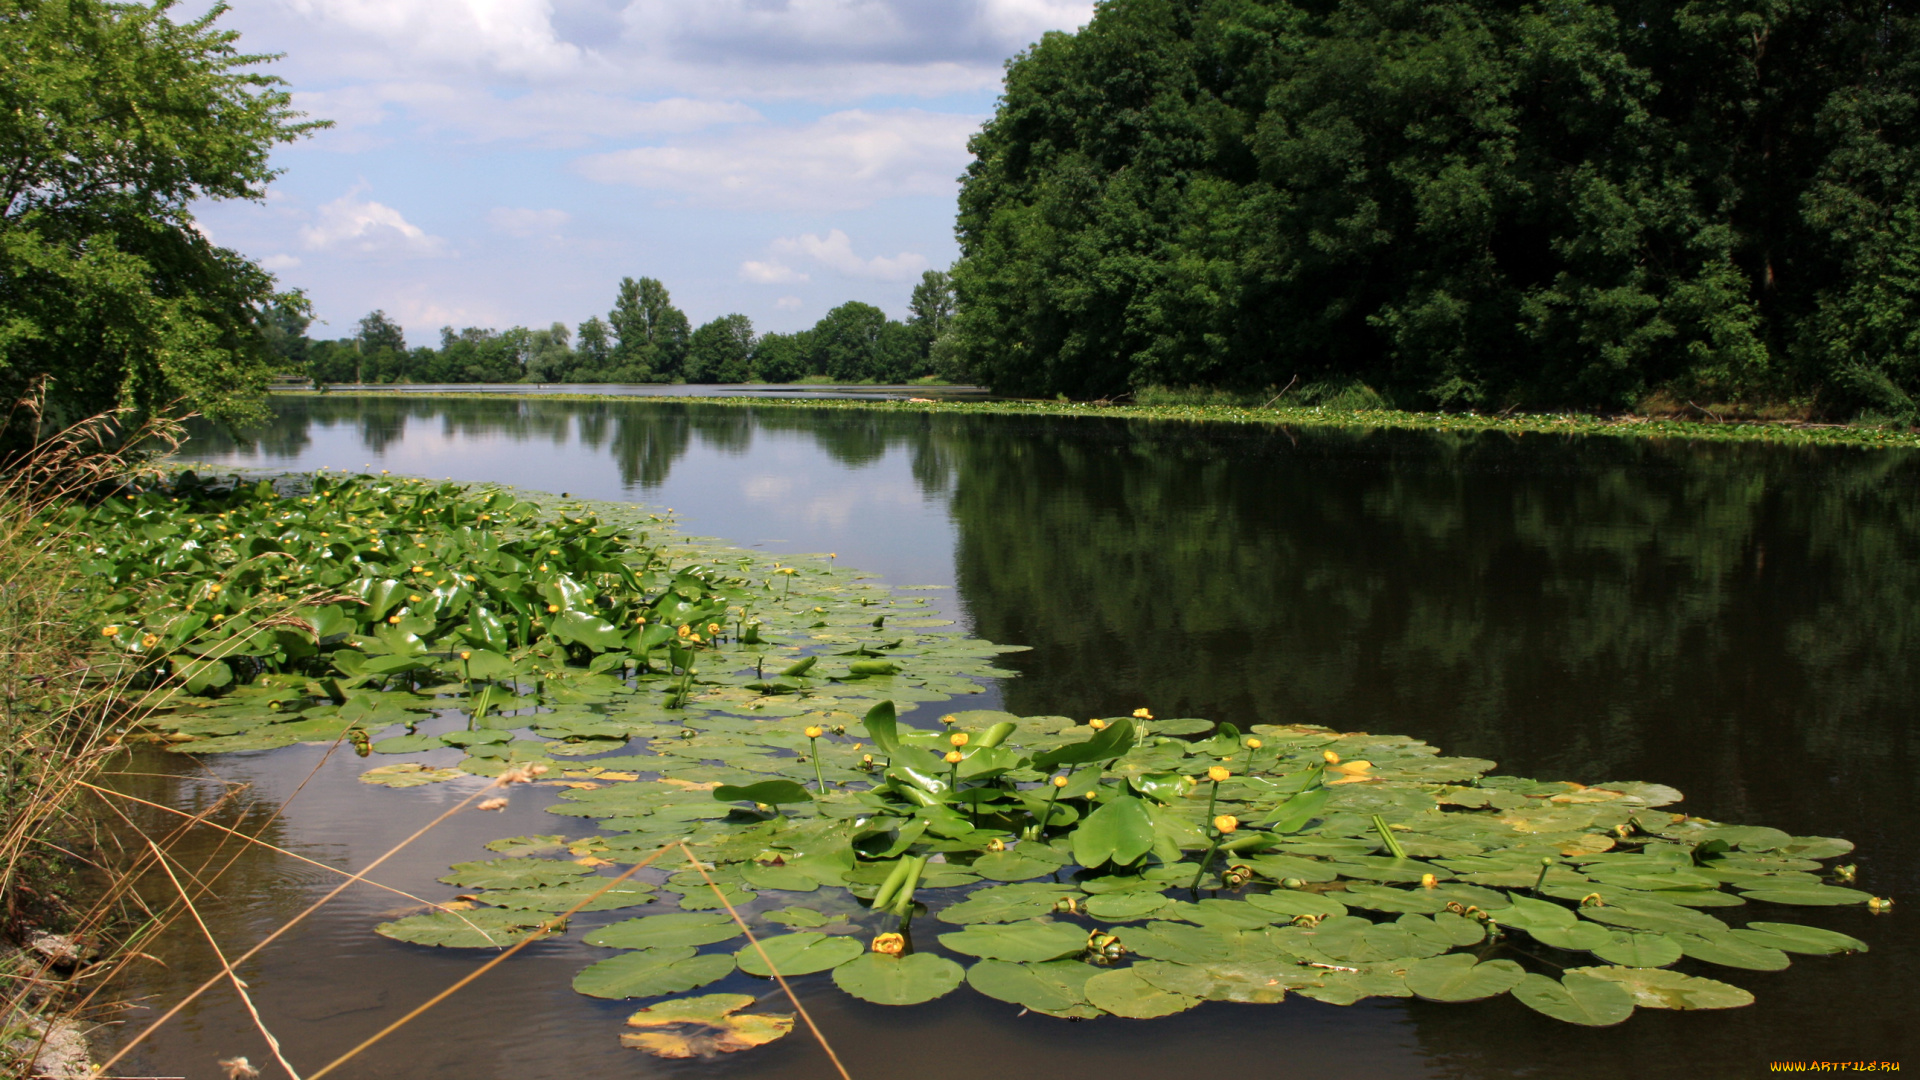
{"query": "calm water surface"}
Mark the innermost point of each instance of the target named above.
(1737, 621)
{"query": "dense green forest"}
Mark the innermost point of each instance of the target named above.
(1459, 203)
(643, 339)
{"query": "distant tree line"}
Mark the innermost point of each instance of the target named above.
(643, 339)
(1462, 203)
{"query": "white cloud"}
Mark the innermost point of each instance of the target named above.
(770, 273)
(348, 225)
(527, 223)
(280, 262)
(845, 160)
(835, 252)
(788, 303)
(514, 37)
(547, 117)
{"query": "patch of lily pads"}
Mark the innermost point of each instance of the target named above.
(740, 719)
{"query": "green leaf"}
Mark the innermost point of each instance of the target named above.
(1112, 741)
(487, 928)
(1792, 937)
(1292, 904)
(1120, 831)
(1012, 866)
(1250, 983)
(1576, 999)
(788, 878)
(1639, 950)
(564, 896)
(768, 792)
(1457, 977)
(1057, 987)
(1124, 907)
(513, 873)
(801, 953)
(1293, 815)
(902, 980)
(1006, 903)
(1022, 942)
(1809, 895)
(673, 928)
(652, 973)
(1728, 948)
(797, 917)
(1124, 993)
(578, 627)
(1657, 988)
(1580, 937)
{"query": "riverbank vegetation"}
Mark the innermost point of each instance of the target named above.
(644, 339)
(1462, 205)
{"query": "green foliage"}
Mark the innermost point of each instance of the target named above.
(1462, 204)
(721, 351)
(115, 120)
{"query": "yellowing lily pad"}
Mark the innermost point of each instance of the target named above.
(703, 1027)
(408, 774)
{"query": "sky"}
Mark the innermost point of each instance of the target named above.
(506, 162)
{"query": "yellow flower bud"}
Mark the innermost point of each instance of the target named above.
(551, 608)
(395, 619)
(953, 757)
(1226, 823)
(814, 731)
(1142, 714)
(1218, 773)
(109, 631)
(1059, 781)
(713, 628)
(1332, 758)
(465, 654)
(958, 738)
(1097, 724)
(949, 719)
(866, 759)
(685, 630)
(543, 568)
(1254, 744)
(419, 569)
(889, 944)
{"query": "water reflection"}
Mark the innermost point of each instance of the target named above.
(1738, 621)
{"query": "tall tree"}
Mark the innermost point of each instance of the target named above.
(651, 333)
(114, 121)
(721, 351)
(1463, 202)
(594, 353)
(931, 307)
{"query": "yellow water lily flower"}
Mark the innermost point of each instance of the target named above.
(1142, 714)
(1226, 823)
(1218, 773)
(889, 944)
(1097, 724)
(958, 738)
(1332, 758)
(1059, 781)
(814, 731)
(109, 631)
(953, 757)
(1254, 744)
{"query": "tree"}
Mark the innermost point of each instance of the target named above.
(782, 358)
(721, 351)
(595, 352)
(846, 343)
(932, 307)
(284, 324)
(1462, 202)
(550, 355)
(651, 334)
(114, 119)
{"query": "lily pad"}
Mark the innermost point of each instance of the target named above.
(1640, 950)
(408, 774)
(1657, 988)
(801, 953)
(1012, 866)
(1022, 942)
(1580, 937)
(898, 980)
(779, 878)
(1792, 937)
(1576, 999)
(1124, 907)
(484, 928)
(1293, 904)
(1729, 948)
(1250, 983)
(1057, 987)
(563, 897)
(652, 973)
(1006, 903)
(801, 917)
(1809, 895)
(1457, 977)
(673, 928)
(703, 1027)
(514, 873)
(1124, 993)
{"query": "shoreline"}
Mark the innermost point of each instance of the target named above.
(1781, 433)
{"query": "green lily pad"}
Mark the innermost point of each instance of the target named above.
(1792, 937)
(1250, 983)
(527, 845)
(779, 878)
(1728, 948)
(1180, 943)
(1057, 987)
(486, 928)
(652, 973)
(1387, 898)
(803, 918)
(1124, 907)
(703, 898)
(1657, 988)
(898, 980)
(1012, 866)
(673, 928)
(1124, 993)
(1457, 977)
(1580, 937)
(514, 873)
(1809, 895)
(1022, 942)
(408, 774)
(563, 897)
(1576, 999)
(801, 953)
(1006, 903)
(1293, 904)
(1639, 950)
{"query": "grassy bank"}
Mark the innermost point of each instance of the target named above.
(1786, 432)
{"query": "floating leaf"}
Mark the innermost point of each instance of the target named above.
(652, 973)
(1457, 977)
(1021, 942)
(563, 897)
(1640, 950)
(1580, 937)
(1012, 866)
(1123, 907)
(1576, 999)
(779, 878)
(898, 980)
(673, 928)
(1657, 988)
(1728, 948)
(408, 774)
(1250, 983)
(488, 928)
(1006, 903)
(702, 1027)
(1057, 987)
(1809, 895)
(1120, 831)
(1294, 904)
(513, 873)
(769, 792)
(1124, 993)
(1792, 937)
(801, 953)
(797, 916)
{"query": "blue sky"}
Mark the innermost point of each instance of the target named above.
(506, 162)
